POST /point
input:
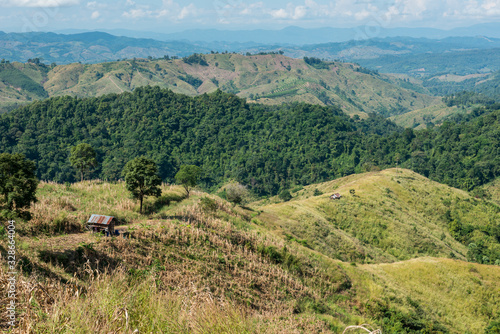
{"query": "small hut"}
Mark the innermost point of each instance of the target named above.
(99, 223)
(335, 196)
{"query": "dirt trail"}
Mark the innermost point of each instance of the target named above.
(115, 84)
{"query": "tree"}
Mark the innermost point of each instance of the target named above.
(17, 184)
(285, 195)
(236, 192)
(83, 157)
(188, 177)
(141, 177)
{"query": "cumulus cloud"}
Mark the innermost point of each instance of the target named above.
(38, 3)
(279, 14)
(95, 15)
(290, 12)
(472, 9)
(138, 13)
(169, 9)
(187, 11)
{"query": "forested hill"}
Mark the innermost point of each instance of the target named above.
(267, 148)
(264, 78)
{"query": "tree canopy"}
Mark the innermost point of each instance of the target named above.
(267, 148)
(17, 184)
(141, 178)
(83, 157)
(188, 177)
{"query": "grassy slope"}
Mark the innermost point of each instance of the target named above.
(493, 189)
(192, 268)
(266, 78)
(12, 96)
(461, 295)
(203, 269)
(418, 119)
(393, 216)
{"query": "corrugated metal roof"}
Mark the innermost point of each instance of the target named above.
(101, 220)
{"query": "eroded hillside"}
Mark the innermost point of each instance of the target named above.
(270, 79)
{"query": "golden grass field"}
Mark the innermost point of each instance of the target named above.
(202, 265)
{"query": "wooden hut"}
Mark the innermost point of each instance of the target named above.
(99, 223)
(335, 196)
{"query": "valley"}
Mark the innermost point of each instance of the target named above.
(295, 180)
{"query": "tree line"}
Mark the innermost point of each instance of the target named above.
(267, 148)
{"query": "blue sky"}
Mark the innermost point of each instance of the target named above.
(176, 15)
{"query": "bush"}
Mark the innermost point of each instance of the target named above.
(195, 59)
(493, 327)
(208, 204)
(317, 192)
(236, 193)
(285, 196)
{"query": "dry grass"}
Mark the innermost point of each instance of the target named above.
(205, 266)
(209, 271)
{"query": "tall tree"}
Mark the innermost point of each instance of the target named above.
(141, 177)
(188, 177)
(17, 184)
(83, 157)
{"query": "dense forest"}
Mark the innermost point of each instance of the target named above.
(268, 148)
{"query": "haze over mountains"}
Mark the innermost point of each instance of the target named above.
(99, 46)
(299, 36)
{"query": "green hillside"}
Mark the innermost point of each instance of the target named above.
(269, 79)
(393, 215)
(430, 116)
(202, 265)
(21, 83)
(269, 148)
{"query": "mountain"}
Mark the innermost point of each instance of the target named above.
(88, 47)
(265, 78)
(92, 47)
(301, 36)
(428, 65)
(395, 46)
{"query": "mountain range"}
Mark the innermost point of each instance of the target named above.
(300, 36)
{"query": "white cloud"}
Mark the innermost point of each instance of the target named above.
(187, 11)
(95, 15)
(472, 9)
(137, 13)
(279, 14)
(299, 12)
(95, 5)
(362, 15)
(168, 9)
(38, 3)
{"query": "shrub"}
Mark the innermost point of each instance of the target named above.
(317, 192)
(208, 204)
(285, 195)
(236, 193)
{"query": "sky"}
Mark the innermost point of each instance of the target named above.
(175, 15)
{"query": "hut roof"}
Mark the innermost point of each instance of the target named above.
(101, 220)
